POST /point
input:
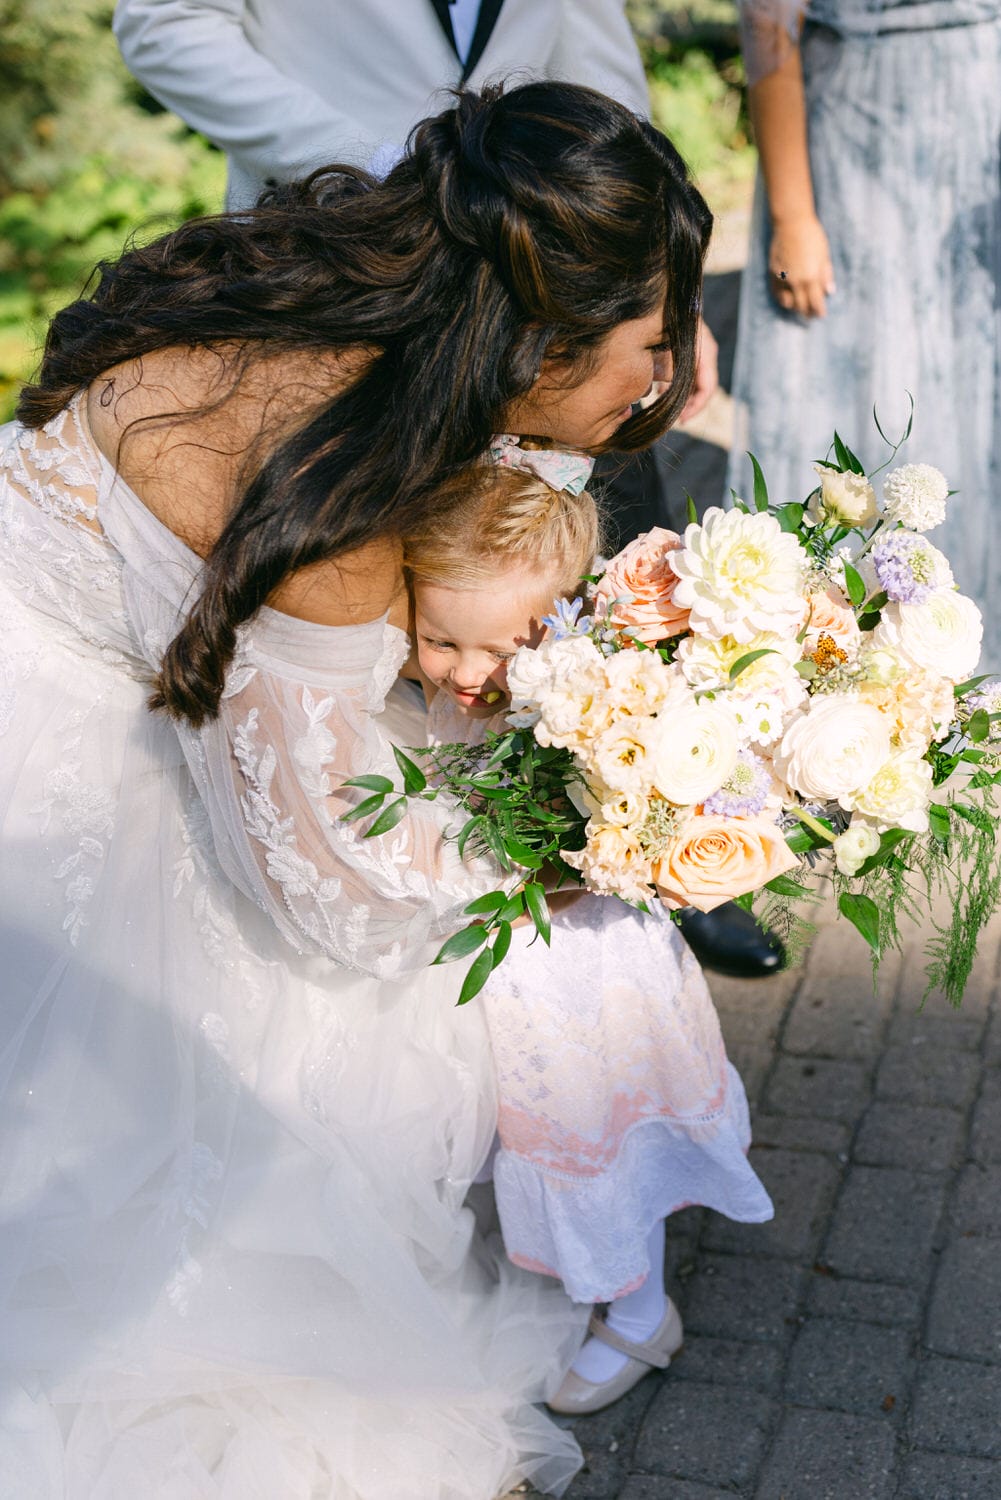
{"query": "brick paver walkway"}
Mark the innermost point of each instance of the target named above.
(850, 1349)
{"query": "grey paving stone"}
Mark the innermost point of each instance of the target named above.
(729, 1362)
(802, 1187)
(607, 1439)
(833, 1018)
(910, 1135)
(944, 1476)
(956, 1032)
(693, 1431)
(884, 1224)
(752, 1061)
(864, 1301)
(923, 1074)
(985, 1137)
(751, 1010)
(654, 1487)
(853, 1367)
(965, 1316)
(992, 1042)
(738, 1297)
(822, 1455)
(976, 1207)
(957, 1407)
(829, 1089)
(801, 1133)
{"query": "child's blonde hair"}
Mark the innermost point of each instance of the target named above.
(513, 516)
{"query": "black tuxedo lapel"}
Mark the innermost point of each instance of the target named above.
(485, 23)
(444, 14)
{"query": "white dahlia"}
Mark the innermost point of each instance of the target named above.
(740, 574)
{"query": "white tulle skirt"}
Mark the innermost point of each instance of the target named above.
(235, 1260)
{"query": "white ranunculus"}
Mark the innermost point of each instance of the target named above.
(530, 672)
(941, 636)
(740, 574)
(844, 499)
(915, 495)
(834, 748)
(898, 794)
(853, 847)
(694, 750)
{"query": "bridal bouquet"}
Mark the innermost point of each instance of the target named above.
(784, 690)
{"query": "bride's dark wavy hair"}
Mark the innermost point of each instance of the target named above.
(519, 226)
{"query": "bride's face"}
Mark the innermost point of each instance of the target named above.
(632, 358)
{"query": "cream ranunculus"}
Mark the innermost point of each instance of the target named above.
(612, 862)
(693, 751)
(844, 499)
(833, 748)
(718, 858)
(941, 636)
(898, 794)
(740, 574)
(853, 847)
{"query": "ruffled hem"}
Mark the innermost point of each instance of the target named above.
(591, 1232)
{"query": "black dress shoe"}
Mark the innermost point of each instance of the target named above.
(730, 941)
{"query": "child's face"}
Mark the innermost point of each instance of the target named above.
(466, 637)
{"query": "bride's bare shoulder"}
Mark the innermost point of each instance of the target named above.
(182, 426)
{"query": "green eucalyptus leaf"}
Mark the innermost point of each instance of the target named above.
(483, 905)
(380, 784)
(479, 972)
(863, 913)
(414, 779)
(939, 820)
(461, 943)
(501, 944)
(746, 660)
(538, 909)
(364, 809)
(388, 818)
(760, 487)
(854, 585)
(979, 726)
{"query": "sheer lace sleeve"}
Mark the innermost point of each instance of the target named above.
(769, 31)
(299, 717)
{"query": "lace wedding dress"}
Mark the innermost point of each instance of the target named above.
(617, 1104)
(238, 1116)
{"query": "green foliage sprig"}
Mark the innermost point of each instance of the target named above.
(515, 794)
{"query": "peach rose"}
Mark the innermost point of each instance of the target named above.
(638, 588)
(719, 858)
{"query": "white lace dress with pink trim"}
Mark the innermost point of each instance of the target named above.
(617, 1104)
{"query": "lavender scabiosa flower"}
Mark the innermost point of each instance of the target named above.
(745, 791)
(909, 568)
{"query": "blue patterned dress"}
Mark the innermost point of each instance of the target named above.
(904, 119)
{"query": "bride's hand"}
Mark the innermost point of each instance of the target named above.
(801, 276)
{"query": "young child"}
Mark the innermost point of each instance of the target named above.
(617, 1105)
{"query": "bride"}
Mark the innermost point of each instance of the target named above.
(238, 1113)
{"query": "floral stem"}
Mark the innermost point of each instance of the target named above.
(814, 824)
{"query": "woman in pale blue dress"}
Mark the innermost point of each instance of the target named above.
(878, 124)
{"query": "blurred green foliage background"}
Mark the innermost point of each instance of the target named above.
(87, 158)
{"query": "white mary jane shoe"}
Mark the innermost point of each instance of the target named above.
(578, 1397)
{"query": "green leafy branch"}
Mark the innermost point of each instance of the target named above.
(515, 792)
